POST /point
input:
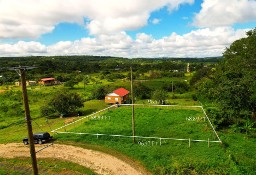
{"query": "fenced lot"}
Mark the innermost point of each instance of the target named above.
(154, 125)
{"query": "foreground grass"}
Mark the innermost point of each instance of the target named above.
(234, 156)
(46, 166)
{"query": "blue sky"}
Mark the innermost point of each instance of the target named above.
(131, 28)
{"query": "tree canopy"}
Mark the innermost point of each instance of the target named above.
(63, 103)
(233, 84)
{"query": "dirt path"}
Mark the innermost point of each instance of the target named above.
(99, 162)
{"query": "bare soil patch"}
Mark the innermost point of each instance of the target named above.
(99, 162)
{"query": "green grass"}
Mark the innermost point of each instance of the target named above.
(172, 157)
(150, 122)
(46, 166)
(237, 157)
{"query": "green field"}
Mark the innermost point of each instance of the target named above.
(172, 156)
(160, 122)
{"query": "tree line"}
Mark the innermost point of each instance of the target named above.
(231, 85)
(50, 66)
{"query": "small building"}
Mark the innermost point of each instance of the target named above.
(47, 81)
(118, 96)
(28, 83)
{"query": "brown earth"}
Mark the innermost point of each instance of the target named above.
(99, 162)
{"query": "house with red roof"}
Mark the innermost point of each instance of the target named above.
(118, 96)
(47, 81)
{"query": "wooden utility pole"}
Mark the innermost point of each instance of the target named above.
(133, 119)
(22, 72)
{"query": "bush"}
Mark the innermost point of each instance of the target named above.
(99, 93)
(160, 96)
(141, 91)
(218, 118)
(64, 103)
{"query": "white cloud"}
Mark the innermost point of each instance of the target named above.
(155, 21)
(225, 13)
(198, 43)
(23, 48)
(32, 18)
(174, 4)
(144, 38)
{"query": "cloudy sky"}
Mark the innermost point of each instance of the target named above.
(126, 28)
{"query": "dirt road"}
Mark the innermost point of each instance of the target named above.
(99, 162)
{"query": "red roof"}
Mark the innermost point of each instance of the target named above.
(121, 92)
(47, 79)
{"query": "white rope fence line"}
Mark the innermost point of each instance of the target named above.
(211, 124)
(160, 105)
(82, 118)
(182, 106)
(141, 137)
(201, 107)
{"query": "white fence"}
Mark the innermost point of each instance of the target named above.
(161, 139)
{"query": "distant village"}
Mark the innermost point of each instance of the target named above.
(43, 81)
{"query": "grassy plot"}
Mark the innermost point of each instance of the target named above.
(160, 122)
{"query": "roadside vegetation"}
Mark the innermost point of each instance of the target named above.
(226, 87)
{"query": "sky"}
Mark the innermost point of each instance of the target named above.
(123, 28)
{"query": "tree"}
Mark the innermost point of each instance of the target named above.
(237, 75)
(201, 73)
(64, 103)
(141, 91)
(159, 95)
(70, 83)
(99, 93)
(232, 86)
